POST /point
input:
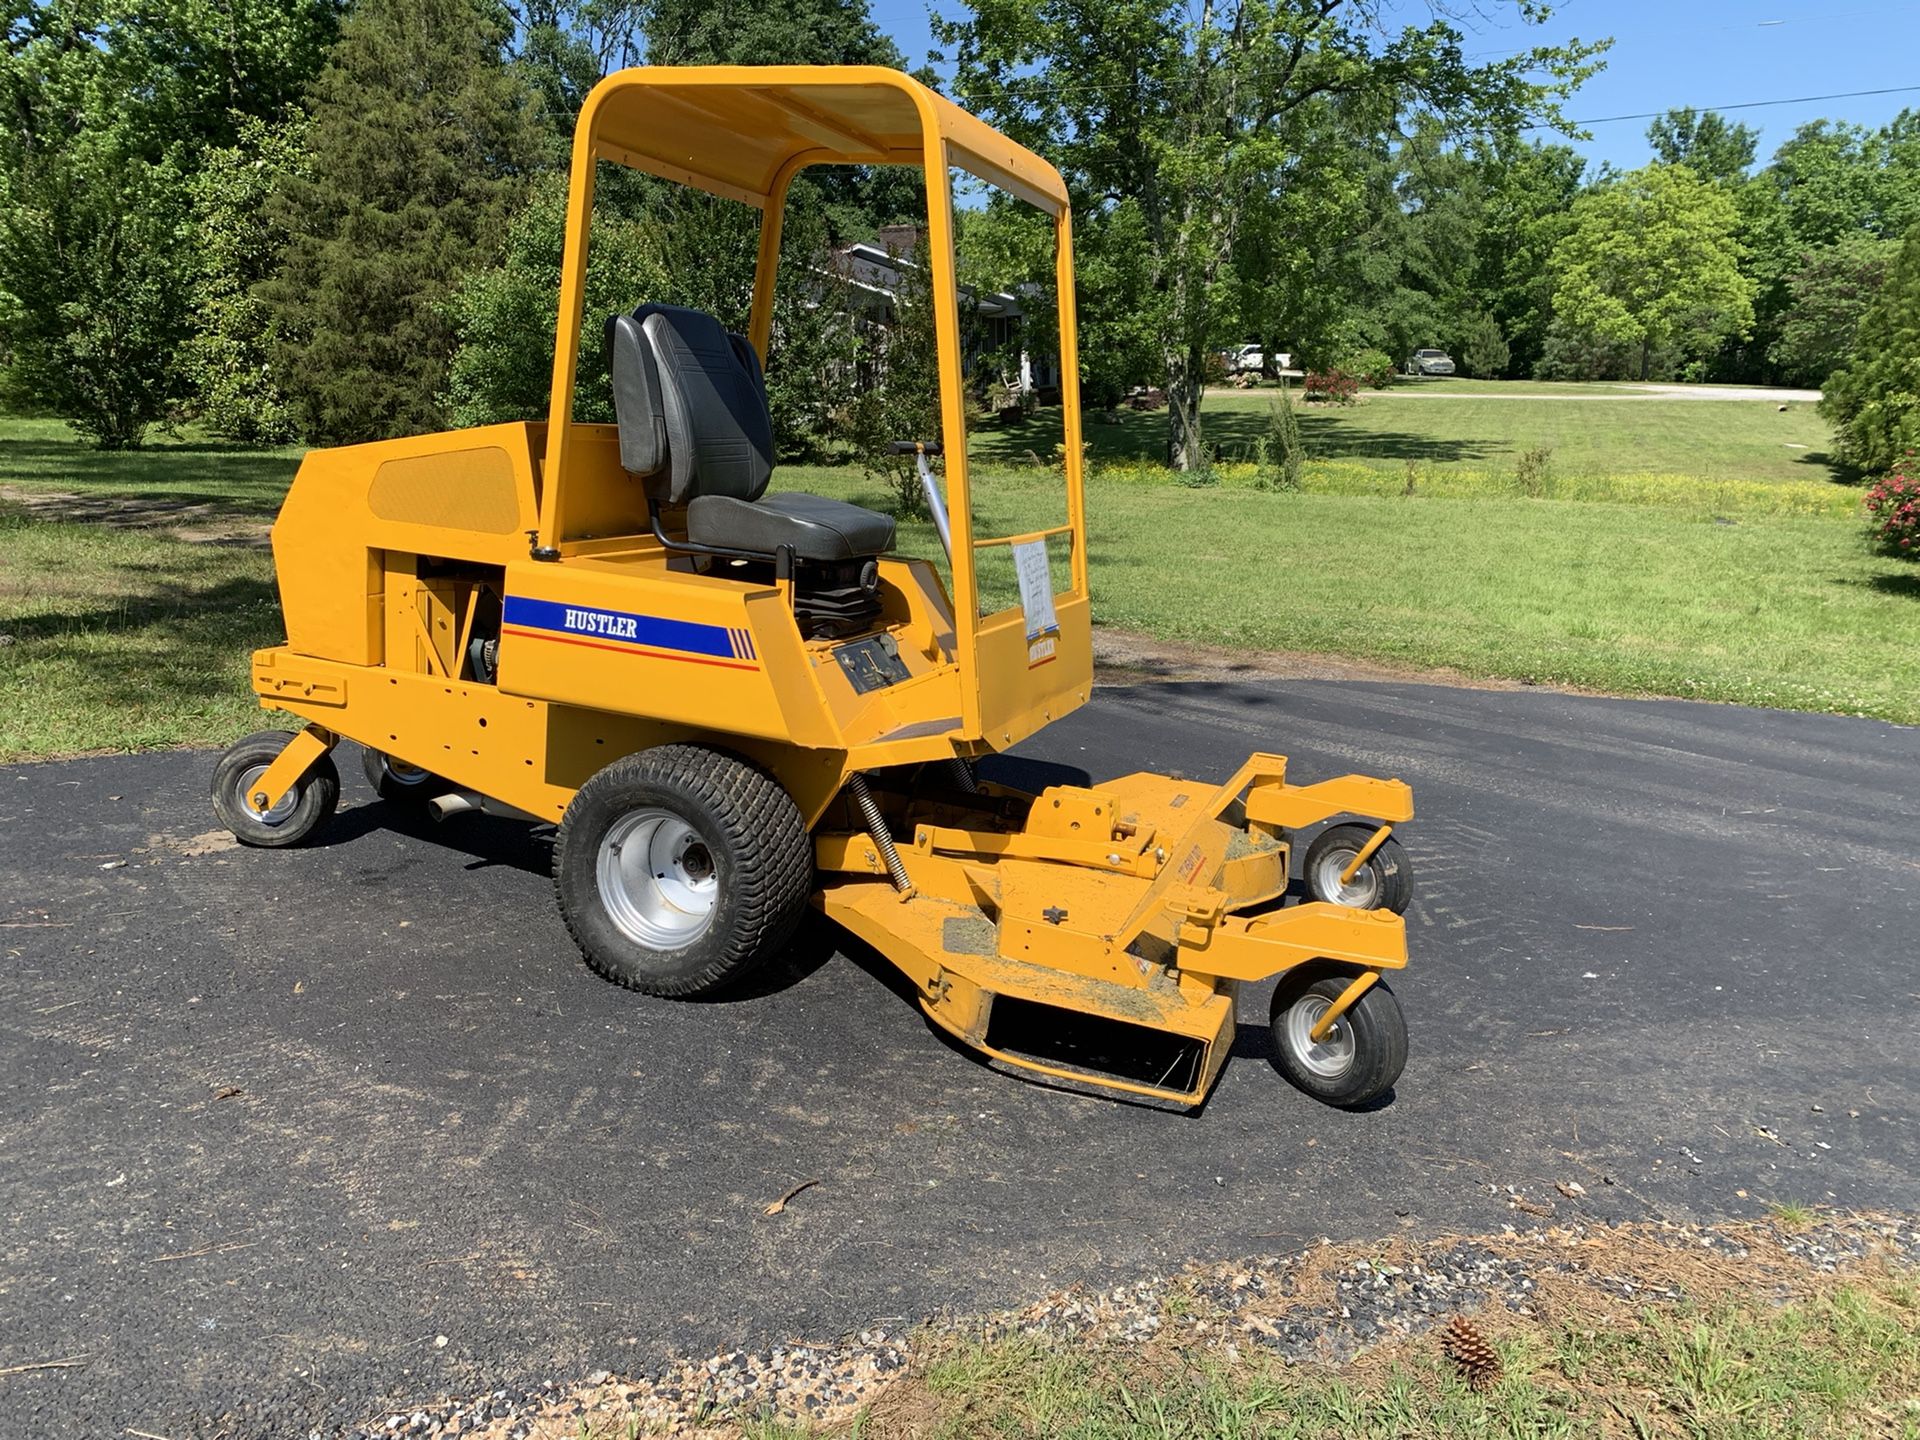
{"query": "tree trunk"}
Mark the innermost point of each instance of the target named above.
(1645, 347)
(1185, 383)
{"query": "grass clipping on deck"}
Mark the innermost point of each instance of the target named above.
(1751, 1329)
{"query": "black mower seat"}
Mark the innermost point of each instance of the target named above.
(815, 527)
(691, 404)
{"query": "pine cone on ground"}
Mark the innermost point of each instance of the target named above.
(1472, 1353)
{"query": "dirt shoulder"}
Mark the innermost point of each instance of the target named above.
(1126, 657)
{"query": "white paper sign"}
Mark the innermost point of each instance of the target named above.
(1036, 588)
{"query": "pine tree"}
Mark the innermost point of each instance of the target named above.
(421, 142)
(1874, 401)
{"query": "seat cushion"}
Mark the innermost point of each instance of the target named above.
(817, 528)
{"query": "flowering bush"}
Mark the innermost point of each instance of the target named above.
(1893, 510)
(1336, 387)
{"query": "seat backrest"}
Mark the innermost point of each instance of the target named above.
(691, 403)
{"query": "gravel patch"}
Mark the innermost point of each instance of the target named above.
(1326, 1305)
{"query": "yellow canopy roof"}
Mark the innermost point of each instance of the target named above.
(741, 130)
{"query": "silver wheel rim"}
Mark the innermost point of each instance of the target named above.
(657, 879)
(1330, 1058)
(1360, 893)
(402, 773)
(279, 813)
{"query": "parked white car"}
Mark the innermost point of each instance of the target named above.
(1430, 362)
(1243, 358)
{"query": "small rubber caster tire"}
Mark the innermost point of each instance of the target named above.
(301, 811)
(1358, 1061)
(1385, 882)
(680, 870)
(397, 782)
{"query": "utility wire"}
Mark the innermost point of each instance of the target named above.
(1743, 105)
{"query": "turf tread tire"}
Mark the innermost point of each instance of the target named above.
(762, 854)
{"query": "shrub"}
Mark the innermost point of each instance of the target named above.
(1336, 387)
(1376, 367)
(1893, 511)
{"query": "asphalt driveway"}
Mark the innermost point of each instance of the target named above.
(275, 1123)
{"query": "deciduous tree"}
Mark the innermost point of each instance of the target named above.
(1187, 112)
(1705, 142)
(1651, 260)
(1827, 296)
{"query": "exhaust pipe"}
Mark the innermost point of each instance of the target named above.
(460, 802)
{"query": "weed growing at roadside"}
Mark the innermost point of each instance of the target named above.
(1279, 454)
(1201, 477)
(1533, 471)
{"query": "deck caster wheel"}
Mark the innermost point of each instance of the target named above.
(1384, 882)
(301, 811)
(681, 869)
(397, 782)
(1361, 1056)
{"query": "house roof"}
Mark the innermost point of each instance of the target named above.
(875, 268)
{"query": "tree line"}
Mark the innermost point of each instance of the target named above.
(337, 222)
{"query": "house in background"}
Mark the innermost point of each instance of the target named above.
(872, 272)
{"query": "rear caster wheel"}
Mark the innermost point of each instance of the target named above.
(1384, 882)
(681, 869)
(301, 811)
(1362, 1055)
(397, 782)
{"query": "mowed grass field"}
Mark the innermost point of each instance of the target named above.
(1441, 427)
(1696, 563)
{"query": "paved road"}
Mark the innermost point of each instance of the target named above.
(1625, 392)
(1666, 950)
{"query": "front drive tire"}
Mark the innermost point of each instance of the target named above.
(301, 811)
(681, 869)
(1360, 1058)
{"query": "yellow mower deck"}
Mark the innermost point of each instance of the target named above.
(505, 612)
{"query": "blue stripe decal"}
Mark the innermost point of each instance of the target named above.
(650, 632)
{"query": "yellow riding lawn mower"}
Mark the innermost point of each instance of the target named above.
(737, 703)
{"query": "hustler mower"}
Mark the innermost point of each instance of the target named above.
(736, 703)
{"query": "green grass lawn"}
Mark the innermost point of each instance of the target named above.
(1682, 569)
(1597, 436)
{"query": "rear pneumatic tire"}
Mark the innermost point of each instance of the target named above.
(301, 811)
(681, 869)
(397, 782)
(1385, 882)
(1360, 1058)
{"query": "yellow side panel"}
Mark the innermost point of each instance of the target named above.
(634, 639)
(466, 495)
(455, 490)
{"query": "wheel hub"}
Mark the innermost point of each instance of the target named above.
(278, 814)
(1362, 892)
(1329, 1058)
(657, 879)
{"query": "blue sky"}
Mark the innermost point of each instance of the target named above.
(1704, 53)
